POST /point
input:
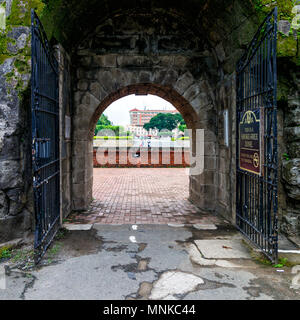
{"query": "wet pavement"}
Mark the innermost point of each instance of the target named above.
(150, 262)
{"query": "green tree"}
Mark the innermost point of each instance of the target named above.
(162, 121)
(179, 119)
(182, 127)
(102, 130)
(102, 123)
(103, 120)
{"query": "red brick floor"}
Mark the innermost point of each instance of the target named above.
(142, 196)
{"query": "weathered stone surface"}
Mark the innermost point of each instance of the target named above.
(291, 177)
(77, 227)
(12, 244)
(173, 283)
(183, 82)
(20, 36)
(175, 225)
(284, 26)
(135, 61)
(292, 115)
(222, 249)
(291, 223)
(220, 52)
(9, 175)
(294, 149)
(292, 134)
(141, 46)
(15, 227)
(205, 226)
(16, 200)
(192, 92)
(82, 85)
(3, 205)
(196, 257)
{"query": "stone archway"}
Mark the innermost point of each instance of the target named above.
(196, 42)
(92, 99)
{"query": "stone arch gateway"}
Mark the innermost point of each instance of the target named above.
(90, 107)
(185, 52)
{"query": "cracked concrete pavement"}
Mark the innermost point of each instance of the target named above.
(150, 262)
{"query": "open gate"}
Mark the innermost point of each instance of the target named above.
(45, 139)
(257, 164)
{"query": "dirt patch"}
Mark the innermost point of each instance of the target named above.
(279, 289)
(74, 244)
(142, 247)
(117, 248)
(144, 290)
(223, 230)
(143, 265)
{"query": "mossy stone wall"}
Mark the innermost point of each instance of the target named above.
(226, 28)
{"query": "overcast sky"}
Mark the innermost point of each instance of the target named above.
(118, 111)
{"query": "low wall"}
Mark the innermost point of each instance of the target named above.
(141, 157)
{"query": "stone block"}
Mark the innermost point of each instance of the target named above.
(3, 205)
(79, 190)
(81, 126)
(224, 165)
(200, 102)
(82, 85)
(192, 92)
(184, 82)
(170, 78)
(85, 61)
(294, 149)
(291, 175)
(106, 81)
(79, 204)
(134, 61)
(97, 90)
(208, 177)
(222, 249)
(145, 76)
(180, 62)
(78, 162)
(292, 134)
(284, 26)
(10, 176)
(10, 146)
(15, 226)
(292, 116)
(80, 147)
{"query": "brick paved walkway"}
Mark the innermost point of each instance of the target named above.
(141, 196)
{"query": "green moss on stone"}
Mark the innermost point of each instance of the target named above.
(21, 12)
(287, 45)
(3, 47)
(21, 66)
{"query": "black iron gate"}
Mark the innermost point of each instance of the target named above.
(256, 202)
(45, 139)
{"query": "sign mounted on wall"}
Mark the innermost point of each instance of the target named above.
(249, 148)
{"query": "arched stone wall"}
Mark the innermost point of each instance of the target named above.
(204, 38)
(102, 79)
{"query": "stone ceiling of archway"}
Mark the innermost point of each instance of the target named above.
(144, 33)
(73, 21)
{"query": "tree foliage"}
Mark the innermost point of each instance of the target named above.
(105, 126)
(163, 121)
(103, 120)
(182, 127)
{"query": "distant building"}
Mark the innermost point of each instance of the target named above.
(140, 117)
(141, 132)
